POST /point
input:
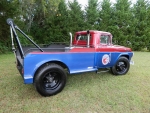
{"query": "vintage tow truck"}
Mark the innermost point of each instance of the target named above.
(47, 67)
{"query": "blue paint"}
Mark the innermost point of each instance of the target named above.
(76, 62)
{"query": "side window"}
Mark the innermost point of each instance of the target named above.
(82, 37)
(104, 39)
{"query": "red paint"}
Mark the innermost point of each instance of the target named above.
(97, 43)
(113, 48)
(82, 50)
(48, 52)
(94, 38)
(74, 50)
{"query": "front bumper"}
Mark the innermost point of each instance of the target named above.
(132, 62)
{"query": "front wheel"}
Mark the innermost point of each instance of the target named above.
(50, 80)
(121, 67)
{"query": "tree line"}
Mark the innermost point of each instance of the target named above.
(47, 21)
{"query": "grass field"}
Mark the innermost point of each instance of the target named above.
(83, 93)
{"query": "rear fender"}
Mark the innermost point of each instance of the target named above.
(32, 65)
(63, 65)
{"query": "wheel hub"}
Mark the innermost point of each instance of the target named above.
(121, 66)
(51, 80)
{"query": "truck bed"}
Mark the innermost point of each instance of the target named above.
(30, 48)
(46, 48)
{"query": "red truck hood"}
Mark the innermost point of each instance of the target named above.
(121, 48)
(115, 48)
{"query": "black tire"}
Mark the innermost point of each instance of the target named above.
(121, 67)
(50, 80)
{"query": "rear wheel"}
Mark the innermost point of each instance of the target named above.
(121, 67)
(50, 80)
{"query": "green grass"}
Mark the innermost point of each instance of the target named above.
(83, 93)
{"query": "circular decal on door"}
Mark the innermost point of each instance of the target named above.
(105, 59)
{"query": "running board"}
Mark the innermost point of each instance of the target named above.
(103, 70)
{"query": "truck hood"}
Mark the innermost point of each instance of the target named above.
(121, 48)
(114, 48)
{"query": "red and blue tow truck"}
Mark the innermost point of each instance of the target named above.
(47, 67)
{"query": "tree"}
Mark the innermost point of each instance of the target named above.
(106, 16)
(45, 12)
(91, 14)
(8, 9)
(57, 28)
(122, 20)
(148, 24)
(141, 23)
(76, 17)
(27, 10)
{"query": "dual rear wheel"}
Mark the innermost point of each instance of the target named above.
(50, 79)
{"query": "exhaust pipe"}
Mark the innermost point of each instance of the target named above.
(88, 40)
(70, 39)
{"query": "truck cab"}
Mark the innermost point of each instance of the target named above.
(100, 40)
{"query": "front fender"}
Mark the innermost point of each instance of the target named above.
(116, 56)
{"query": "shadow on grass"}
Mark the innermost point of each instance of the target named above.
(87, 78)
(28, 91)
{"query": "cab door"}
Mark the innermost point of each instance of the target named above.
(103, 51)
